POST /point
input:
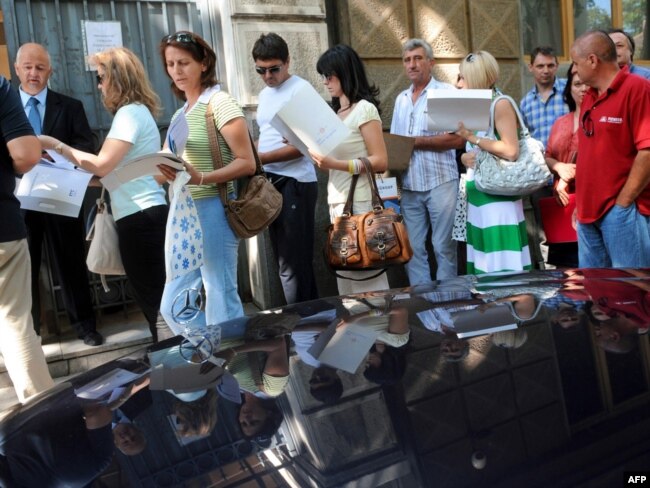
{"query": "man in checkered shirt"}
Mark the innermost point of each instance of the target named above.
(541, 107)
(543, 104)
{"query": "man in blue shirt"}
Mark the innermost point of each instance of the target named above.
(625, 52)
(540, 108)
(543, 104)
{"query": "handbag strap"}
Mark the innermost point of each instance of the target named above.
(524, 130)
(101, 202)
(215, 148)
(377, 202)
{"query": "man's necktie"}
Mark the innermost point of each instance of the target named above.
(34, 115)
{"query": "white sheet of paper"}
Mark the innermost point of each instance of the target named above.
(177, 134)
(50, 189)
(446, 108)
(307, 118)
(143, 166)
(344, 347)
(60, 161)
(387, 188)
(106, 383)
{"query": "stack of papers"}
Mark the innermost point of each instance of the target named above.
(53, 187)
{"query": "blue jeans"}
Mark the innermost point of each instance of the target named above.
(218, 273)
(434, 208)
(620, 238)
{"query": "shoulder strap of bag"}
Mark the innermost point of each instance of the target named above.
(215, 149)
(524, 129)
(347, 208)
(377, 202)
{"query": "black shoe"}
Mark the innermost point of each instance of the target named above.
(92, 338)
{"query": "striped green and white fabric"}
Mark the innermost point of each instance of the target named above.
(496, 232)
(197, 149)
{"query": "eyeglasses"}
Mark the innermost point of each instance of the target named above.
(588, 123)
(261, 70)
(181, 37)
(325, 78)
(470, 57)
(100, 79)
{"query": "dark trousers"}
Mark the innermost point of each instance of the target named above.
(292, 238)
(65, 236)
(142, 240)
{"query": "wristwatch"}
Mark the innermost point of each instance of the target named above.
(59, 148)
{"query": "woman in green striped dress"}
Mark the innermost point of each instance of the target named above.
(496, 227)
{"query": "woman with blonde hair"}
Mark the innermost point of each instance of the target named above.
(138, 206)
(497, 239)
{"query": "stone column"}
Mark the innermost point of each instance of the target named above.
(302, 23)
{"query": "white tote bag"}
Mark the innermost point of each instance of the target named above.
(104, 252)
(183, 236)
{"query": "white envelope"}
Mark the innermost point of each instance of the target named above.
(445, 108)
(307, 122)
(51, 189)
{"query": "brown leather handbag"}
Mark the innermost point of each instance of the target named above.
(258, 203)
(372, 240)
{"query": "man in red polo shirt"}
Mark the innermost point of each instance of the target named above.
(613, 167)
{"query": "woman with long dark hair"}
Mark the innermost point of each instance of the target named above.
(355, 102)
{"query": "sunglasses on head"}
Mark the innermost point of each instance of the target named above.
(272, 69)
(180, 37)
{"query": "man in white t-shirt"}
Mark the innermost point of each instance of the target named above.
(292, 173)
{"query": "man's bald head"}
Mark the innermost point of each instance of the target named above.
(598, 43)
(33, 67)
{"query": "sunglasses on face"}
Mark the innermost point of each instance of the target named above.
(272, 69)
(185, 37)
(100, 79)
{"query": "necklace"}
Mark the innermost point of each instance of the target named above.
(341, 110)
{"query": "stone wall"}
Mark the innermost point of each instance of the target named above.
(378, 28)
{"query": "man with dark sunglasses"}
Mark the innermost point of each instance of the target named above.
(292, 173)
(613, 166)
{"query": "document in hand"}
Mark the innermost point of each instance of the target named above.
(343, 347)
(146, 165)
(469, 323)
(54, 189)
(448, 107)
(307, 122)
